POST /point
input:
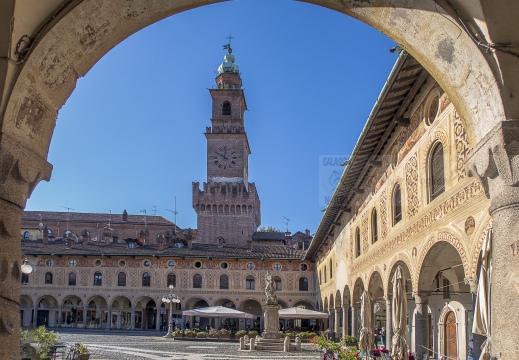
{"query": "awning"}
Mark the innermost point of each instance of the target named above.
(218, 312)
(300, 313)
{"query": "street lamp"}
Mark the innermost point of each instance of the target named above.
(170, 298)
(26, 267)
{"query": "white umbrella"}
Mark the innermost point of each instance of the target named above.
(481, 323)
(300, 313)
(366, 332)
(399, 321)
(218, 312)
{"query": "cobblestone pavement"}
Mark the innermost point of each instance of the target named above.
(139, 345)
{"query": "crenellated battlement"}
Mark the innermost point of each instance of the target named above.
(225, 193)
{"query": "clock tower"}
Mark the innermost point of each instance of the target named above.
(228, 206)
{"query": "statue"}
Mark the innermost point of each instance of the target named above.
(270, 290)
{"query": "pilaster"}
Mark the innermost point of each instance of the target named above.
(495, 162)
(389, 323)
(344, 321)
(421, 322)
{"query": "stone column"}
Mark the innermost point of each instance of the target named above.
(132, 319)
(389, 324)
(85, 322)
(60, 316)
(345, 320)
(109, 319)
(421, 323)
(35, 316)
(354, 321)
(495, 162)
(158, 321)
(336, 323)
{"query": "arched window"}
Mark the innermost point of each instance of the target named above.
(197, 281)
(325, 280)
(72, 279)
(48, 278)
(277, 283)
(25, 279)
(26, 235)
(146, 279)
(250, 283)
(436, 172)
(331, 269)
(121, 279)
(226, 108)
(224, 282)
(98, 279)
(374, 226)
(357, 242)
(320, 277)
(171, 280)
(397, 204)
(303, 284)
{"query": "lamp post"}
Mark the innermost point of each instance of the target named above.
(170, 298)
(26, 267)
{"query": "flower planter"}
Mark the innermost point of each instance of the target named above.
(84, 356)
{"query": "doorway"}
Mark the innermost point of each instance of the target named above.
(451, 338)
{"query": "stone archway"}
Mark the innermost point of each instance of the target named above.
(481, 85)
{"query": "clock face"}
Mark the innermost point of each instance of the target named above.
(224, 157)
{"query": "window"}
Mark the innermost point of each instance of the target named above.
(432, 109)
(146, 279)
(320, 277)
(224, 282)
(171, 264)
(72, 262)
(325, 273)
(250, 283)
(303, 284)
(48, 262)
(25, 279)
(146, 263)
(48, 278)
(26, 235)
(72, 279)
(224, 265)
(397, 204)
(277, 283)
(277, 266)
(197, 281)
(303, 267)
(121, 279)
(98, 263)
(250, 266)
(172, 279)
(226, 108)
(357, 242)
(131, 245)
(374, 226)
(198, 264)
(436, 172)
(446, 288)
(122, 263)
(331, 269)
(98, 279)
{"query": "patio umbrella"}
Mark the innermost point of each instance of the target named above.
(366, 332)
(299, 313)
(399, 321)
(218, 312)
(481, 323)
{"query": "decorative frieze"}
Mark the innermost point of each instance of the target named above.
(383, 214)
(411, 174)
(462, 146)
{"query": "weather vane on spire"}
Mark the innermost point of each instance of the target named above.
(228, 45)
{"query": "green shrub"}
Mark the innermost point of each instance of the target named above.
(252, 333)
(349, 339)
(240, 333)
(45, 339)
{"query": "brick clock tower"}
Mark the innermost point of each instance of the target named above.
(228, 206)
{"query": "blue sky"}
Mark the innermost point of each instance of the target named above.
(131, 134)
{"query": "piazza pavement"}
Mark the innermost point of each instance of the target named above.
(145, 345)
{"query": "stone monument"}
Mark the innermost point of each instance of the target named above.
(271, 310)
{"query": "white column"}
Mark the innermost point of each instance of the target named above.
(345, 320)
(132, 319)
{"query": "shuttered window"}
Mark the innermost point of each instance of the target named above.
(397, 204)
(357, 242)
(437, 178)
(224, 282)
(197, 281)
(121, 279)
(171, 280)
(374, 227)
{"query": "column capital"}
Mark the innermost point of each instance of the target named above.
(21, 170)
(495, 162)
(387, 298)
(472, 281)
(421, 297)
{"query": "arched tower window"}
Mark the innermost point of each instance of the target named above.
(250, 283)
(197, 281)
(357, 242)
(48, 278)
(171, 280)
(121, 279)
(397, 204)
(374, 226)
(436, 172)
(146, 279)
(224, 282)
(303, 284)
(226, 108)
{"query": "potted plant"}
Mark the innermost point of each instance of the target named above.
(46, 341)
(178, 334)
(350, 340)
(189, 334)
(240, 333)
(201, 335)
(224, 334)
(82, 349)
(252, 333)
